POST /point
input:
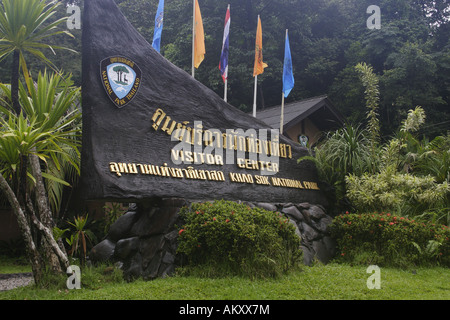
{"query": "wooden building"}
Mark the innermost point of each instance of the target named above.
(305, 120)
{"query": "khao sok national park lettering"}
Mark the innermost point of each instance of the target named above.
(243, 143)
(164, 170)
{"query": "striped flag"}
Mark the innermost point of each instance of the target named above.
(159, 17)
(223, 63)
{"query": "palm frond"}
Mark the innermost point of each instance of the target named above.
(51, 130)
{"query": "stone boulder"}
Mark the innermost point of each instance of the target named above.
(103, 251)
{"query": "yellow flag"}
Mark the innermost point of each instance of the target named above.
(199, 39)
(259, 64)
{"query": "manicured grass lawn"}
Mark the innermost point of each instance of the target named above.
(319, 282)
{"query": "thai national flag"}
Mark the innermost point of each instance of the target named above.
(223, 63)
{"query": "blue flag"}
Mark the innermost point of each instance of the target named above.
(158, 26)
(288, 76)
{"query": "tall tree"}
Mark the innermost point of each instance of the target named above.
(48, 132)
(23, 28)
(410, 80)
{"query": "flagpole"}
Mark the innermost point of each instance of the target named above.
(226, 79)
(282, 101)
(225, 91)
(256, 84)
(282, 113)
(254, 97)
(193, 37)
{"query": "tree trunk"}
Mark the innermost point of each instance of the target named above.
(34, 257)
(22, 183)
(15, 83)
(45, 217)
(50, 240)
(32, 252)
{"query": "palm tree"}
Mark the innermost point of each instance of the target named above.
(40, 127)
(48, 132)
(24, 25)
(53, 103)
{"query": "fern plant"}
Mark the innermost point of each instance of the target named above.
(430, 251)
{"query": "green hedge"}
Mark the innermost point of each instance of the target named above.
(231, 238)
(385, 239)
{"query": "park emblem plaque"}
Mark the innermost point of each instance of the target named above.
(175, 138)
(121, 78)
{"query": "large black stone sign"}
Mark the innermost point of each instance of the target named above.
(150, 130)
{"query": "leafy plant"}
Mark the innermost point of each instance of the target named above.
(402, 151)
(398, 186)
(344, 151)
(435, 158)
(234, 238)
(370, 82)
(393, 191)
(50, 130)
(390, 240)
(430, 251)
(79, 238)
(58, 233)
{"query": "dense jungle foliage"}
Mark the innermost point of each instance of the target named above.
(410, 53)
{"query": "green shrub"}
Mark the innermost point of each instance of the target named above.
(344, 151)
(231, 238)
(386, 239)
(395, 191)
